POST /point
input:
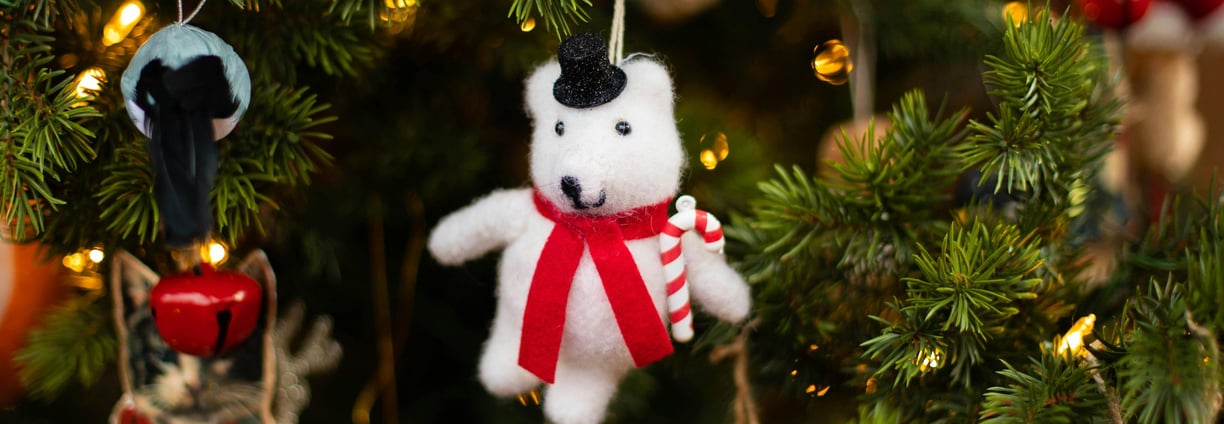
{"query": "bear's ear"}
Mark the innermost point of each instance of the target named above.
(648, 80)
(539, 90)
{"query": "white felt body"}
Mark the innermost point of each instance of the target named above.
(640, 169)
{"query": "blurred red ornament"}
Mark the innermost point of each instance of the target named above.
(1114, 14)
(1198, 9)
(206, 312)
(29, 288)
(128, 415)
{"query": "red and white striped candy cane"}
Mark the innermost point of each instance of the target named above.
(687, 218)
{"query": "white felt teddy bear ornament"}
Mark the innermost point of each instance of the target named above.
(582, 292)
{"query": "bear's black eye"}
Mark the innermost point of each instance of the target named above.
(560, 128)
(623, 128)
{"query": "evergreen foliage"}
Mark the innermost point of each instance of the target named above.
(72, 159)
(1055, 389)
(965, 295)
(558, 14)
(868, 277)
(80, 334)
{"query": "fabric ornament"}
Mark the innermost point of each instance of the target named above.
(1114, 14)
(544, 317)
(185, 89)
(582, 293)
(253, 379)
(1199, 9)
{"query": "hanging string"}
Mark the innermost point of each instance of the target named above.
(859, 32)
(616, 41)
(744, 404)
(193, 14)
(121, 329)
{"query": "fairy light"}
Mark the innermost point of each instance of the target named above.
(122, 22)
(214, 252)
(1017, 11)
(1073, 341)
(399, 13)
(96, 255)
(89, 82)
(84, 264)
(929, 359)
(717, 152)
(527, 25)
(831, 62)
(75, 262)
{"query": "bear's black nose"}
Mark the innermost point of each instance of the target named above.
(573, 190)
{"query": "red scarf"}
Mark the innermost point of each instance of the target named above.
(544, 317)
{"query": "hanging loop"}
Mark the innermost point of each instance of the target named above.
(193, 14)
(616, 41)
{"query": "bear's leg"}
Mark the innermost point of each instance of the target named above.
(581, 393)
(499, 369)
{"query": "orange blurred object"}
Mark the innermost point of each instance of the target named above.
(29, 288)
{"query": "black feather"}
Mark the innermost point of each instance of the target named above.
(179, 106)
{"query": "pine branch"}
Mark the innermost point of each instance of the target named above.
(963, 299)
(120, 148)
(1204, 264)
(129, 207)
(255, 5)
(1170, 371)
(76, 343)
(372, 9)
(1187, 244)
(558, 14)
(1055, 389)
(283, 134)
(886, 184)
(42, 136)
(1054, 119)
(279, 39)
(979, 273)
(908, 348)
(40, 12)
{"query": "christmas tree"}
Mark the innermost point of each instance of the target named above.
(965, 257)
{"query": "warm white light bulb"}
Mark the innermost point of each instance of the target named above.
(90, 81)
(129, 13)
(122, 23)
(216, 252)
(96, 255)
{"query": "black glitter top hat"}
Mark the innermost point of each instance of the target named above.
(587, 78)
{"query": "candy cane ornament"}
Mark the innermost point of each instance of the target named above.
(687, 218)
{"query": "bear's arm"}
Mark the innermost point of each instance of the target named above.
(715, 286)
(488, 224)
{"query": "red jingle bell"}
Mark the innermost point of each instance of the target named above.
(1114, 14)
(205, 312)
